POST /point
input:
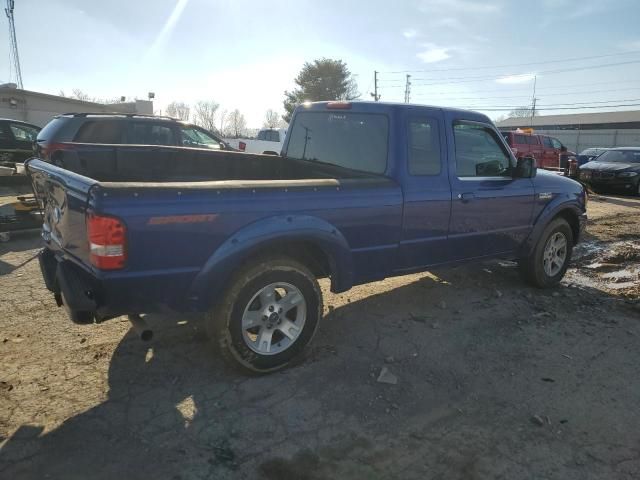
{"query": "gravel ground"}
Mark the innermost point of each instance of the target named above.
(493, 380)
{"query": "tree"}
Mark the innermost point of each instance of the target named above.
(236, 125)
(178, 110)
(523, 112)
(205, 114)
(80, 95)
(223, 122)
(324, 79)
(271, 119)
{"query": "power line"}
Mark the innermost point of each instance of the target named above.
(486, 67)
(503, 97)
(467, 79)
(555, 88)
(508, 109)
(551, 105)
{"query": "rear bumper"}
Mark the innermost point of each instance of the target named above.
(81, 292)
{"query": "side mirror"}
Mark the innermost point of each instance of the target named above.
(563, 148)
(525, 168)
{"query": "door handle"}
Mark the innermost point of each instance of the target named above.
(466, 197)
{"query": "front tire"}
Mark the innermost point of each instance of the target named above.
(550, 258)
(267, 316)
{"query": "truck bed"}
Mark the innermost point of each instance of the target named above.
(183, 209)
(155, 164)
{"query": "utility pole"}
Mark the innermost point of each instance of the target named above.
(15, 59)
(533, 100)
(375, 95)
(407, 90)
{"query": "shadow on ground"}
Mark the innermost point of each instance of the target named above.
(477, 357)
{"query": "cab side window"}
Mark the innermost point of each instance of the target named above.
(479, 152)
(97, 131)
(424, 147)
(24, 133)
(547, 142)
(556, 143)
(147, 133)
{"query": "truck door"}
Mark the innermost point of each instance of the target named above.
(491, 211)
(427, 192)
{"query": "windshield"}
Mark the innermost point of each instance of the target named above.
(352, 140)
(620, 156)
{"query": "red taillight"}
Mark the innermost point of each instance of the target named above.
(339, 105)
(107, 242)
(46, 151)
(242, 146)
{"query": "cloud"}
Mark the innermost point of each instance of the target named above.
(575, 8)
(449, 22)
(460, 6)
(433, 53)
(631, 46)
(522, 78)
(410, 33)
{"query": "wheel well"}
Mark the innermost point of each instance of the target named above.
(572, 219)
(306, 252)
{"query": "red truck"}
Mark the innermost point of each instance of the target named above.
(548, 151)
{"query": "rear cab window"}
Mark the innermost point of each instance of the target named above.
(520, 139)
(357, 141)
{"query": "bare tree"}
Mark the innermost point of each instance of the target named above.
(178, 110)
(205, 114)
(223, 122)
(271, 119)
(237, 125)
(523, 112)
(282, 123)
(80, 95)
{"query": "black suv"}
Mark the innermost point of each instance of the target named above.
(114, 128)
(16, 141)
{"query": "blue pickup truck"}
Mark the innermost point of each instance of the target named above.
(361, 191)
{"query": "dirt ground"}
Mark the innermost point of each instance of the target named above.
(494, 380)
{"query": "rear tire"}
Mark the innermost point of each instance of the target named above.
(549, 260)
(254, 325)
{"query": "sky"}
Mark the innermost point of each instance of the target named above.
(482, 54)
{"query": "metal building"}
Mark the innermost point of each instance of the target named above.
(38, 108)
(584, 130)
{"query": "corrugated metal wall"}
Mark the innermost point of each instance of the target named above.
(578, 140)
